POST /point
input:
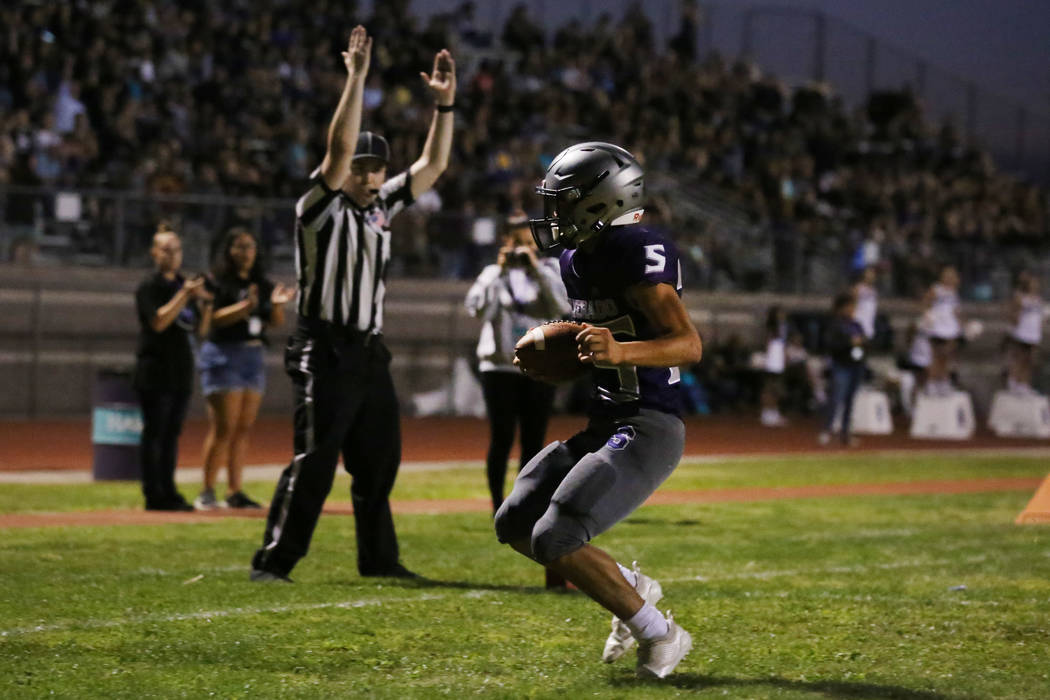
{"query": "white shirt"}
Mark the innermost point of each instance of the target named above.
(943, 317)
(511, 301)
(867, 305)
(1029, 326)
(921, 352)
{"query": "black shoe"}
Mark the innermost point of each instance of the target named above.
(176, 505)
(264, 576)
(396, 571)
(181, 504)
(239, 500)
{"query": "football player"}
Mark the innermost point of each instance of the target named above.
(624, 283)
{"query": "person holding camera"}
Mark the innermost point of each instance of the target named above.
(520, 291)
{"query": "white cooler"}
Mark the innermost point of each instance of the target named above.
(943, 417)
(1020, 415)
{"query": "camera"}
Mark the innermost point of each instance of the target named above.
(518, 259)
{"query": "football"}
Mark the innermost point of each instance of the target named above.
(549, 352)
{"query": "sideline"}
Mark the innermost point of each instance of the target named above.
(97, 518)
(270, 472)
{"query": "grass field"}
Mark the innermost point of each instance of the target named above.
(862, 597)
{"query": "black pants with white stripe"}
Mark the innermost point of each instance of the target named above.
(344, 403)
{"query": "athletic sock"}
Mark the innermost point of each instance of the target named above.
(628, 574)
(648, 623)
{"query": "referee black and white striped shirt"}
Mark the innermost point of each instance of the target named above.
(342, 252)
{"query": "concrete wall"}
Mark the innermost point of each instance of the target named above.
(59, 326)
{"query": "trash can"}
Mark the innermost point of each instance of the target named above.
(116, 427)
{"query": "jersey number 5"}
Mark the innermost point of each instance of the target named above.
(655, 258)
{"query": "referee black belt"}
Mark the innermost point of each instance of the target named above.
(334, 331)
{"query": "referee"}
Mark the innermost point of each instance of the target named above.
(340, 367)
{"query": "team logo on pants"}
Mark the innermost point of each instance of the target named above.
(621, 438)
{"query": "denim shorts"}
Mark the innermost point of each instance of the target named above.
(231, 367)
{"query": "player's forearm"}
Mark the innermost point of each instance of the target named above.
(346, 123)
(673, 350)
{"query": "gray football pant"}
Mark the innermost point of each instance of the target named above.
(575, 490)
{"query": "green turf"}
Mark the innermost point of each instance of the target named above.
(920, 597)
(468, 481)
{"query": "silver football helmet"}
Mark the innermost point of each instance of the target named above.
(588, 187)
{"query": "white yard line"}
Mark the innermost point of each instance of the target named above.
(856, 569)
(212, 614)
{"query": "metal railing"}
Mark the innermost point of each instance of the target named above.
(722, 249)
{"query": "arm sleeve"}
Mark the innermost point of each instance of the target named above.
(653, 261)
(146, 304)
(315, 201)
(478, 294)
(553, 290)
(396, 193)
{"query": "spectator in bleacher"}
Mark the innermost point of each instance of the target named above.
(233, 375)
(845, 343)
(171, 307)
(1026, 318)
(797, 156)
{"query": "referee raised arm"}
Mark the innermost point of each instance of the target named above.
(340, 367)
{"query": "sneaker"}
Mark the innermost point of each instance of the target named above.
(620, 640)
(773, 419)
(239, 500)
(206, 500)
(175, 505)
(659, 657)
(264, 576)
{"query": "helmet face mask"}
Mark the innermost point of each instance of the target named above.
(554, 230)
(588, 187)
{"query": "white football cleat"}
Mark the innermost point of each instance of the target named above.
(659, 657)
(620, 639)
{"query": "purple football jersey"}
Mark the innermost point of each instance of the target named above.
(597, 282)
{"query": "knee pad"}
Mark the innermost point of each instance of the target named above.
(518, 514)
(506, 528)
(557, 533)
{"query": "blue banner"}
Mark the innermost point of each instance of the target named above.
(116, 425)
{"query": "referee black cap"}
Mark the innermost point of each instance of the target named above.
(372, 145)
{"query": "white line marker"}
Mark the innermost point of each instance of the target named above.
(213, 614)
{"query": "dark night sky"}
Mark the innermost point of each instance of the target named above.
(1002, 45)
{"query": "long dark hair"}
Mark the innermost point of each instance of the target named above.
(224, 269)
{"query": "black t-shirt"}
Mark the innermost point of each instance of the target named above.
(165, 359)
(230, 291)
(839, 341)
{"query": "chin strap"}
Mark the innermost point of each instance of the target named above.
(627, 218)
